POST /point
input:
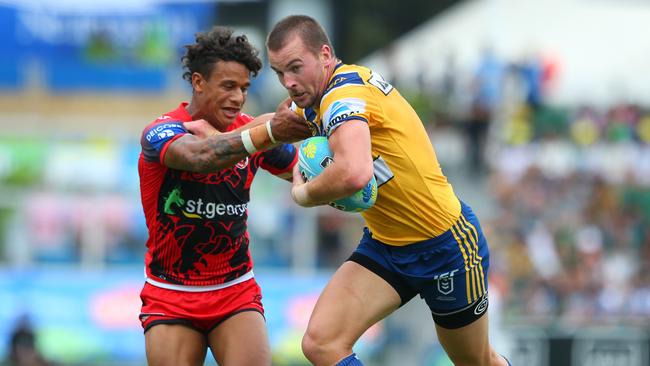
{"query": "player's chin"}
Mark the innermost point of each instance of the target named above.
(302, 101)
(226, 117)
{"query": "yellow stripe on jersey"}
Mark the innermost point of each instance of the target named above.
(415, 201)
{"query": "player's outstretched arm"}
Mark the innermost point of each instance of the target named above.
(284, 125)
(203, 129)
(210, 151)
(207, 150)
(205, 155)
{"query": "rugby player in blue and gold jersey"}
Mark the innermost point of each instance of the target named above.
(421, 239)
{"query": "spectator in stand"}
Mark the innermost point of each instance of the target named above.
(22, 346)
(486, 89)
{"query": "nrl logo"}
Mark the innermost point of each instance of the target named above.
(446, 285)
(446, 282)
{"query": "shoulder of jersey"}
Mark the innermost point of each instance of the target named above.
(165, 118)
(245, 116)
(348, 79)
(348, 75)
(241, 120)
(361, 70)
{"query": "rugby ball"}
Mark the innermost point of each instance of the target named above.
(314, 155)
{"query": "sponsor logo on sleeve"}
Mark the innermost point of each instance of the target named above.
(163, 131)
(342, 110)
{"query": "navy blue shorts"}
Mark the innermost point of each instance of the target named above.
(449, 271)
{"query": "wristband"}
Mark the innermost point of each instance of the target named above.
(300, 195)
(248, 142)
(268, 130)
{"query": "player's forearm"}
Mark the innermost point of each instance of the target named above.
(257, 121)
(222, 151)
(334, 183)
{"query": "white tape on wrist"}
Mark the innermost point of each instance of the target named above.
(248, 142)
(268, 129)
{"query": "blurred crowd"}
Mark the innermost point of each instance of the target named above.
(573, 249)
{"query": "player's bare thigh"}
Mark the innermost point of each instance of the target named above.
(175, 345)
(354, 299)
(469, 345)
(242, 339)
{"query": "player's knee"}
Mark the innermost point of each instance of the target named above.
(318, 347)
(313, 347)
(487, 357)
(472, 357)
(470, 360)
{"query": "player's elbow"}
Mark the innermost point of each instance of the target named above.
(356, 179)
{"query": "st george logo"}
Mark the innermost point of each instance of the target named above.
(446, 282)
(173, 198)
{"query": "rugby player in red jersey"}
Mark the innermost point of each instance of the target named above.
(200, 291)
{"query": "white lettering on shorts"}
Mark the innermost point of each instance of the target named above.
(445, 282)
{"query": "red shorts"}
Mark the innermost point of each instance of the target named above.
(202, 311)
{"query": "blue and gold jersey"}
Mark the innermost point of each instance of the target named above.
(415, 200)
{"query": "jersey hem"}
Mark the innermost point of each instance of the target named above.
(170, 286)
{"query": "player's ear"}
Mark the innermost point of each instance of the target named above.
(325, 53)
(197, 82)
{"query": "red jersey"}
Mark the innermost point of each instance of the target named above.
(197, 222)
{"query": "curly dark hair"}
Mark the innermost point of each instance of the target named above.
(219, 44)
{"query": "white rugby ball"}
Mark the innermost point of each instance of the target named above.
(314, 155)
